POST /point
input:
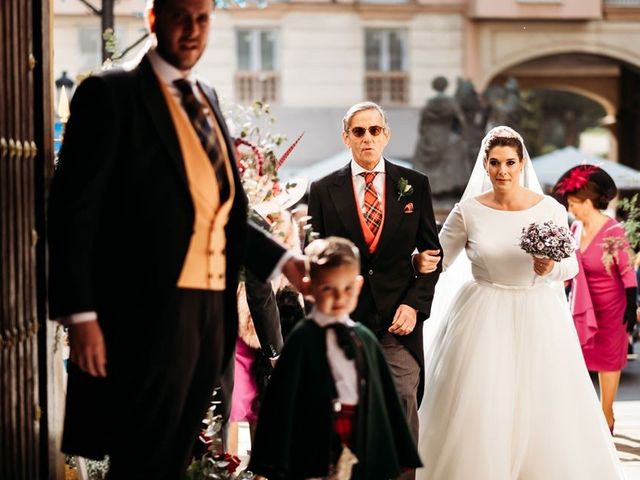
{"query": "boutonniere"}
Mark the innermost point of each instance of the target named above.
(405, 189)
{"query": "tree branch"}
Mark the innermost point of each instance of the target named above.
(91, 7)
(132, 46)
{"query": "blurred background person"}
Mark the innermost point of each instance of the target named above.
(603, 294)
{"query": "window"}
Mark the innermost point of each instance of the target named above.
(256, 76)
(386, 63)
(90, 47)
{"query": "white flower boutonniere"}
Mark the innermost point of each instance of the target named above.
(405, 189)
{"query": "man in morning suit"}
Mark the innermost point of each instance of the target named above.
(147, 232)
(386, 211)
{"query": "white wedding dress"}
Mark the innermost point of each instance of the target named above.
(507, 393)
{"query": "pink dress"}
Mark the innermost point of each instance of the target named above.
(604, 344)
(245, 388)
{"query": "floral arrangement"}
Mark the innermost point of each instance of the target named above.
(612, 246)
(632, 223)
(214, 462)
(258, 165)
(255, 148)
(95, 469)
(547, 240)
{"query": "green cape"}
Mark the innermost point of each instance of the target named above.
(294, 437)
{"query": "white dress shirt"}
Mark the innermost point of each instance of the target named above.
(343, 370)
(359, 183)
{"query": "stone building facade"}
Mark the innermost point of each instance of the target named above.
(312, 59)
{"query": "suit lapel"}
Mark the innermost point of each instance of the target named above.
(343, 197)
(155, 102)
(393, 209)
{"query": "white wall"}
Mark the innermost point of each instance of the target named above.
(436, 43)
(321, 60)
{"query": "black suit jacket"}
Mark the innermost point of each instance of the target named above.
(121, 214)
(390, 279)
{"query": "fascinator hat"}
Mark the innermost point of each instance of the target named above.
(586, 181)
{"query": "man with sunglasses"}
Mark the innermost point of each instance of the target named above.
(386, 211)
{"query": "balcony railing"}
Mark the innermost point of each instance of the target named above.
(387, 88)
(623, 3)
(251, 86)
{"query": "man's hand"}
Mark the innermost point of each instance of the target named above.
(295, 269)
(87, 348)
(404, 321)
(427, 261)
(542, 266)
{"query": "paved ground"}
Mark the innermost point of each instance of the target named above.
(627, 412)
(627, 437)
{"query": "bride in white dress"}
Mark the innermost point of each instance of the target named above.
(507, 393)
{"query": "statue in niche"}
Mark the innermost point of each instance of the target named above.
(507, 107)
(441, 151)
(475, 110)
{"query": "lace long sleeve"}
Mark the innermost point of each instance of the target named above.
(568, 267)
(453, 236)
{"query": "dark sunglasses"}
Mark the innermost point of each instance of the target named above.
(359, 132)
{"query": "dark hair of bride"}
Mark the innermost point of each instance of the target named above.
(504, 142)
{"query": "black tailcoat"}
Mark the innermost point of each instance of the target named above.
(390, 279)
(120, 222)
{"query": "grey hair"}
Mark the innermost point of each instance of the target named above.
(359, 107)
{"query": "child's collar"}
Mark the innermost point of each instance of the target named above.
(322, 319)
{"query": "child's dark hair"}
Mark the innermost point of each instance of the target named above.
(331, 252)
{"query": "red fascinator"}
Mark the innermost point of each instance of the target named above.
(574, 179)
(586, 179)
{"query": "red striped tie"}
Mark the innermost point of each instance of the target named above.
(372, 207)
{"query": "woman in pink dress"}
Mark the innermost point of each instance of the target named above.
(603, 294)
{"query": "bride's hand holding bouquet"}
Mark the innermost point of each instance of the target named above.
(547, 243)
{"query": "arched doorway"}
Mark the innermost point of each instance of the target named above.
(598, 58)
(612, 84)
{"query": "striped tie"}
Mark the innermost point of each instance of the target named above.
(208, 138)
(372, 207)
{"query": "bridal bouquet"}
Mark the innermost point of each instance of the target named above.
(547, 240)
